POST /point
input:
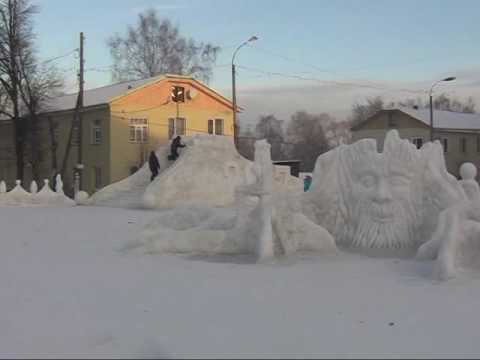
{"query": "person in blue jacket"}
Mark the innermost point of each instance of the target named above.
(307, 181)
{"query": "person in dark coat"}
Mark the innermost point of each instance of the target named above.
(154, 165)
(176, 143)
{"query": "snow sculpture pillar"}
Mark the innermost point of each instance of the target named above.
(33, 187)
(3, 187)
(59, 185)
(264, 169)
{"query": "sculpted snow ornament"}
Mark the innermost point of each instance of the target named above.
(387, 201)
(33, 187)
(456, 240)
(59, 185)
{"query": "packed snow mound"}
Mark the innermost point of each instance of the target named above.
(18, 196)
(129, 191)
(206, 172)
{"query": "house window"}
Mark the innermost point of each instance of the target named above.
(418, 141)
(215, 127)
(138, 130)
(97, 173)
(96, 133)
(218, 126)
(463, 145)
(176, 126)
(445, 145)
(391, 122)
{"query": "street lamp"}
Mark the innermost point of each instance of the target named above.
(234, 95)
(450, 78)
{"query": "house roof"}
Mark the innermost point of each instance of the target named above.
(106, 94)
(97, 96)
(441, 119)
(445, 119)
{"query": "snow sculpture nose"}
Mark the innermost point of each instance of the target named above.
(382, 193)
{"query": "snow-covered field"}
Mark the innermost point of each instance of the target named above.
(68, 289)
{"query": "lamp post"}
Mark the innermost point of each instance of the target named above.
(234, 95)
(450, 78)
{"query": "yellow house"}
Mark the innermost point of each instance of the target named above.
(122, 123)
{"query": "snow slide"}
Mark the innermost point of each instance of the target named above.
(207, 172)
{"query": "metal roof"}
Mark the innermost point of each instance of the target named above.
(97, 96)
(445, 119)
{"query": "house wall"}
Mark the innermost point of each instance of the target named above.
(153, 102)
(8, 169)
(96, 155)
(92, 155)
(380, 124)
(409, 128)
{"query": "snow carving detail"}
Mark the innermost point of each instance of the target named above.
(456, 240)
(376, 200)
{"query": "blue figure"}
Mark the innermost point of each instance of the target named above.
(307, 181)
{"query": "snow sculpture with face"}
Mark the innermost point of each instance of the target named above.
(368, 199)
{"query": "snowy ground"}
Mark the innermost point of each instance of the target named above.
(68, 290)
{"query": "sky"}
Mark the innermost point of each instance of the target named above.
(312, 55)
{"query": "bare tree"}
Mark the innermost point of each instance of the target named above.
(361, 112)
(154, 46)
(337, 132)
(39, 84)
(443, 102)
(271, 128)
(306, 137)
(245, 142)
(16, 38)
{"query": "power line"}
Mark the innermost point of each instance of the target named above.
(326, 82)
(60, 57)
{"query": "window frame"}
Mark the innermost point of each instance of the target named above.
(415, 140)
(391, 123)
(138, 130)
(173, 127)
(97, 178)
(463, 145)
(210, 127)
(445, 145)
(222, 126)
(96, 134)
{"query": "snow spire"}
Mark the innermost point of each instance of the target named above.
(33, 187)
(58, 184)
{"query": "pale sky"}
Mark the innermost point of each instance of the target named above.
(313, 55)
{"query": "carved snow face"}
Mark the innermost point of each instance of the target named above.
(381, 205)
(379, 195)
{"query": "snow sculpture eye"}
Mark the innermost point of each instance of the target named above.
(399, 181)
(368, 180)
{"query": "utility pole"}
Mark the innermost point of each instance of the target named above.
(450, 78)
(431, 117)
(79, 125)
(234, 90)
(234, 101)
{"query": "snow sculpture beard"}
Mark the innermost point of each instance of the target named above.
(383, 226)
(378, 194)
